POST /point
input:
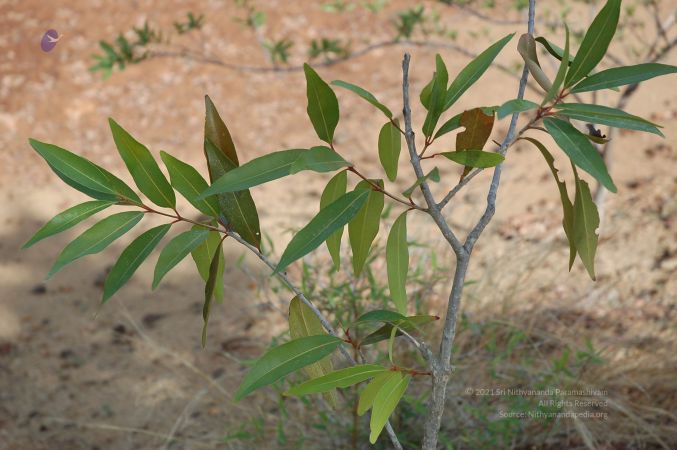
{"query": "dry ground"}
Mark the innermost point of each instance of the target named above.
(126, 376)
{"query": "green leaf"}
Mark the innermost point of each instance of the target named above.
(604, 115)
(567, 207)
(131, 258)
(363, 228)
(203, 255)
(433, 175)
(255, 172)
(342, 378)
(449, 126)
(190, 184)
(210, 285)
(586, 221)
(385, 402)
(368, 394)
(217, 132)
(319, 159)
(426, 92)
(84, 175)
(475, 158)
(96, 238)
(437, 97)
(67, 219)
(285, 359)
(238, 208)
(513, 106)
(302, 323)
(389, 147)
(328, 220)
(621, 76)
(368, 96)
(561, 72)
(335, 188)
(411, 324)
(177, 249)
(323, 108)
(142, 166)
(473, 71)
(109, 197)
(397, 260)
(579, 149)
(380, 315)
(595, 42)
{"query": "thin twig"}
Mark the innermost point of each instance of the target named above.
(415, 159)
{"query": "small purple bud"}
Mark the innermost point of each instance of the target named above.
(49, 40)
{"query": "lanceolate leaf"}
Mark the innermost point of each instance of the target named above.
(449, 126)
(579, 149)
(437, 97)
(106, 196)
(621, 76)
(397, 259)
(567, 207)
(67, 219)
(389, 147)
(328, 220)
(142, 166)
(381, 315)
(217, 132)
(318, 159)
(385, 402)
(237, 208)
(586, 221)
(368, 394)
(595, 43)
(212, 280)
(131, 258)
(473, 71)
(203, 256)
(527, 49)
(323, 108)
(561, 72)
(368, 96)
(190, 184)
(362, 229)
(302, 323)
(335, 188)
(433, 175)
(177, 249)
(475, 158)
(338, 379)
(513, 106)
(96, 238)
(410, 324)
(257, 171)
(604, 115)
(285, 359)
(82, 172)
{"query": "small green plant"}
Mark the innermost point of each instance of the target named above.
(356, 201)
(191, 23)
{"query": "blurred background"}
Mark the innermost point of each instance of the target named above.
(132, 375)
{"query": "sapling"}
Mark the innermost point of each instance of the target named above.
(355, 199)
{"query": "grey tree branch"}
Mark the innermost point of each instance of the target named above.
(441, 367)
(409, 135)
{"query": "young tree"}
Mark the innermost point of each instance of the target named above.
(231, 211)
